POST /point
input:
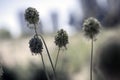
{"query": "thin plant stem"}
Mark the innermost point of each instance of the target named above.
(91, 60)
(46, 50)
(36, 30)
(57, 58)
(41, 55)
(44, 67)
(49, 56)
(63, 63)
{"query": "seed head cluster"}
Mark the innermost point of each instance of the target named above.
(91, 27)
(35, 45)
(61, 39)
(31, 15)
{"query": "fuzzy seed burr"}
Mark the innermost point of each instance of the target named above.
(35, 45)
(61, 38)
(91, 27)
(31, 15)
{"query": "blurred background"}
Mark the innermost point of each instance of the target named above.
(15, 56)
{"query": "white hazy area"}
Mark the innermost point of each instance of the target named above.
(10, 9)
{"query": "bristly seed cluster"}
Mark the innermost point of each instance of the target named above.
(35, 45)
(61, 39)
(91, 27)
(31, 15)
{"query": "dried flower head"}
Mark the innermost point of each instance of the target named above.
(35, 45)
(31, 15)
(91, 27)
(61, 39)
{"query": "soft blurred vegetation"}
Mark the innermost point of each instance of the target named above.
(21, 64)
(4, 34)
(16, 51)
(17, 61)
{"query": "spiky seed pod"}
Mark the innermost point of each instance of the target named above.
(61, 39)
(91, 27)
(35, 45)
(31, 15)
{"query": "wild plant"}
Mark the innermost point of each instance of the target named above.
(91, 28)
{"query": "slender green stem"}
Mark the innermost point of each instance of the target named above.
(91, 61)
(49, 56)
(35, 30)
(46, 50)
(44, 67)
(57, 58)
(63, 63)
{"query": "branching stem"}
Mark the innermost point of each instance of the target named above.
(35, 28)
(49, 56)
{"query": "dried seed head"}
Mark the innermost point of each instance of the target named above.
(91, 27)
(61, 39)
(31, 15)
(35, 45)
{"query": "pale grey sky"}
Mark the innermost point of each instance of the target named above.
(9, 12)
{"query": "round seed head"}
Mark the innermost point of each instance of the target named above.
(31, 15)
(35, 45)
(91, 27)
(61, 39)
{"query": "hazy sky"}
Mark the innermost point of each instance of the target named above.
(9, 10)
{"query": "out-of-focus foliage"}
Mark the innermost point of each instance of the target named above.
(4, 34)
